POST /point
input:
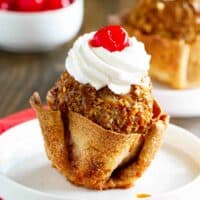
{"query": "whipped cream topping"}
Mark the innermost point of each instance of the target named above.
(99, 67)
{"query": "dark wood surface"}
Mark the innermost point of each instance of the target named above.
(22, 74)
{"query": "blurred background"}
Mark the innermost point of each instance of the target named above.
(23, 73)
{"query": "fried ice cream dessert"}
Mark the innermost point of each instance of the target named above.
(170, 31)
(103, 126)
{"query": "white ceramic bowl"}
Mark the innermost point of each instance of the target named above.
(40, 31)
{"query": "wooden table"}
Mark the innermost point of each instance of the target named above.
(22, 74)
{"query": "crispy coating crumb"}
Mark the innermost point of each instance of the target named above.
(130, 113)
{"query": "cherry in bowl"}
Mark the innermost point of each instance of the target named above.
(6, 5)
(34, 5)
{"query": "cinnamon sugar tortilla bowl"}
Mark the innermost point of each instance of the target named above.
(90, 156)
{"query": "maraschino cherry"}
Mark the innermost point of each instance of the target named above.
(6, 4)
(56, 4)
(112, 38)
(34, 5)
(30, 5)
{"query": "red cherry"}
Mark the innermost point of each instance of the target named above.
(112, 38)
(56, 4)
(6, 4)
(30, 5)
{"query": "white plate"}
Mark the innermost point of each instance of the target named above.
(178, 103)
(26, 173)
